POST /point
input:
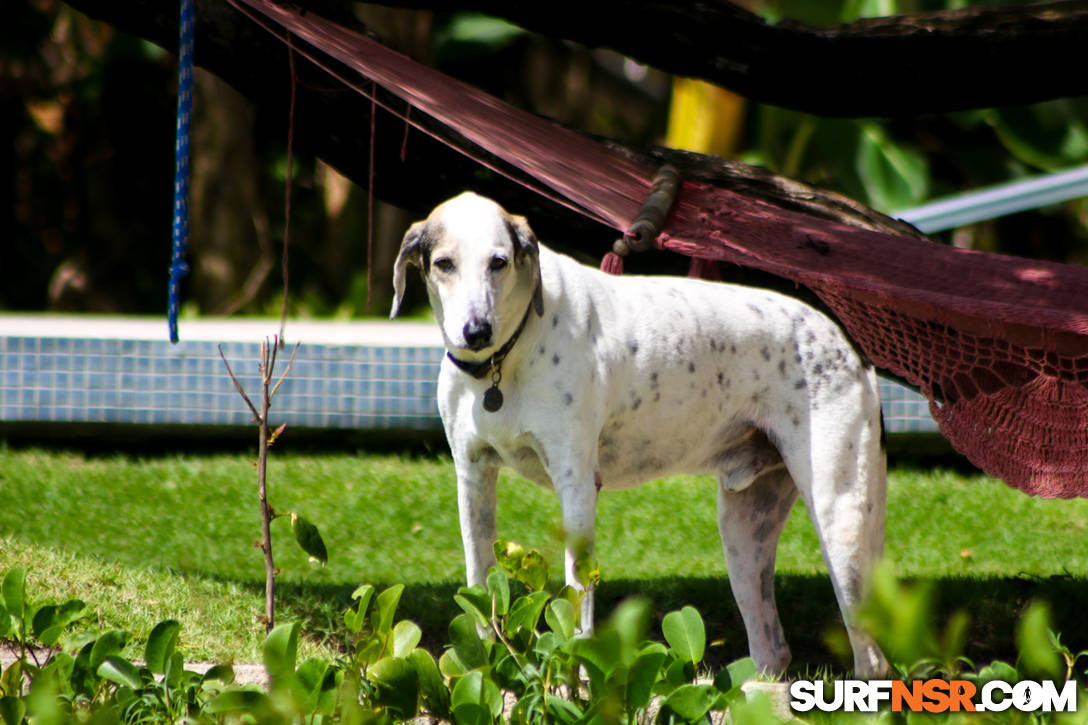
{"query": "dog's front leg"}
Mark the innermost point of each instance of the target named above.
(577, 491)
(476, 509)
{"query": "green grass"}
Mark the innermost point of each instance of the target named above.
(173, 536)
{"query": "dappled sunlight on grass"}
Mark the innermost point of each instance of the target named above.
(174, 536)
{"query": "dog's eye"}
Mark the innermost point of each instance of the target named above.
(497, 263)
(444, 264)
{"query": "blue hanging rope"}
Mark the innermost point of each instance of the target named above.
(178, 266)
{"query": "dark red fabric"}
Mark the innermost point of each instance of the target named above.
(998, 344)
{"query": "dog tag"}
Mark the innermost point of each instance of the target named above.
(492, 399)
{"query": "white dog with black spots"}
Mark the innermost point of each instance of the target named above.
(579, 380)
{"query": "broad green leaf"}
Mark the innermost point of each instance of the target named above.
(247, 701)
(110, 643)
(11, 679)
(525, 611)
(119, 670)
(222, 673)
(12, 710)
(642, 675)
(396, 686)
(757, 710)
(176, 673)
(471, 713)
(52, 616)
(475, 688)
(560, 615)
(685, 633)
(435, 693)
(43, 619)
(499, 586)
(62, 665)
(602, 650)
(631, 620)
(385, 609)
(354, 619)
(450, 665)
(679, 672)
(476, 601)
(406, 636)
(14, 590)
(509, 554)
(280, 650)
(739, 672)
(59, 619)
(160, 645)
(691, 702)
(309, 538)
(44, 702)
(6, 629)
(315, 678)
(894, 176)
(372, 648)
(533, 571)
(466, 641)
(902, 616)
(505, 671)
(1047, 135)
(1038, 658)
(546, 644)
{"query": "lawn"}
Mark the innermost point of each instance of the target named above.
(145, 538)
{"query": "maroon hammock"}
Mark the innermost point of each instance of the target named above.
(998, 344)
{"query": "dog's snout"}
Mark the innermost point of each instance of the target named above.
(477, 334)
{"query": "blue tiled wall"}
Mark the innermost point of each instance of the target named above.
(147, 381)
(89, 380)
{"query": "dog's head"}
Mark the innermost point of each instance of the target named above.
(482, 270)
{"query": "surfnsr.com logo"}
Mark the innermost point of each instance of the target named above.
(933, 695)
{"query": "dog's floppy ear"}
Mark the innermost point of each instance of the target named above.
(527, 247)
(411, 252)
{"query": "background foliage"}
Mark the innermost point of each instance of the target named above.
(86, 153)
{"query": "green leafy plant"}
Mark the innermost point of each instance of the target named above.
(62, 676)
(513, 657)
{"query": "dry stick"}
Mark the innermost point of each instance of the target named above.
(264, 441)
(268, 362)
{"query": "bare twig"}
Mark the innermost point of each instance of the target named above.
(264, 441)
(268, 362)
(286, 370)
(238, 385)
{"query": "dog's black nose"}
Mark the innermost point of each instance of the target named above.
(477, 334)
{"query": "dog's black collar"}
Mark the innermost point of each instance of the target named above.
(493, 363)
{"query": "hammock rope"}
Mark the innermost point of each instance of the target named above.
(178, 265)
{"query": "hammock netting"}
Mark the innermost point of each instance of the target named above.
(998, 344)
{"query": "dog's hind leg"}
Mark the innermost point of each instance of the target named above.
(845, 497)
(750, 522)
